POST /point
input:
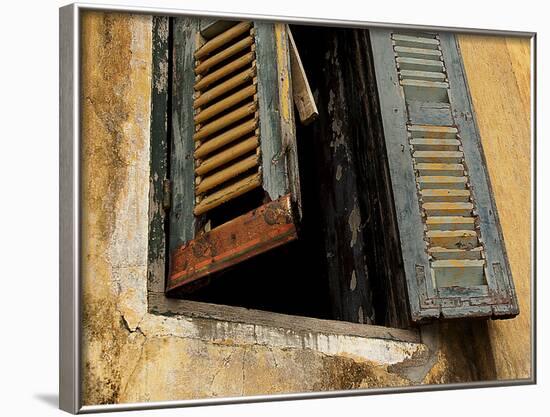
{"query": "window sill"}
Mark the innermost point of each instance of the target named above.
(242, 326)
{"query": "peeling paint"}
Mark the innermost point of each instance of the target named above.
(353, 281)
(354, 222)
(360, 316)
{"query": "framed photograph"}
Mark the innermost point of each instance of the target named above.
(254, 208)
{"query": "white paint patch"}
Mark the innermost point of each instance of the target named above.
(353, 281)
(354, 223)
(338, 172)
(360, 315)
(380, 351)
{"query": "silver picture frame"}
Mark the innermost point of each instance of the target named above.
(70, 213)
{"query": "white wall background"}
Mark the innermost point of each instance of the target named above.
(29, 204)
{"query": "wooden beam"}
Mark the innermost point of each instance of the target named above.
(159, 155)
(301, 91)
(255, 232)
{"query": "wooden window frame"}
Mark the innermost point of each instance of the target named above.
(277, 219)
(158, 303)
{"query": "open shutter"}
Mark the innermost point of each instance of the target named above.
(452, 247)
(235, 188)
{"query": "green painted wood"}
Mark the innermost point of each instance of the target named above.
(159, 154)
(273, 156)
(182, 219)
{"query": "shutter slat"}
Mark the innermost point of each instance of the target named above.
(448, 209)
(442, 182)
(415, 41)
(422, 144)
(225, 121)
(422, 75)
(435, 132)
(440, 157)
(434, 195)
(450, 223)
(222, 39)
(226, 174)
(440, 169)
(420, 53)
(228, 85)
(232, 191)
(419, 64)
(225, 104)
(457, 239)
(205, 81)
(439, 253)
(226, 137)
(223, 55)
(227, 155)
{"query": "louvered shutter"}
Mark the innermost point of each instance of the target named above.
(233, 146)
(452, 246)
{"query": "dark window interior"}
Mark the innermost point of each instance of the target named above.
(343, 264)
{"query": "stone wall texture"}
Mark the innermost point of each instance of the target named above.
(130, 355)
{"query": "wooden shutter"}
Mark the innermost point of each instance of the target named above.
(452, 247)
(233, 146)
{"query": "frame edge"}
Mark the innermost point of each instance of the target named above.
(69, 393)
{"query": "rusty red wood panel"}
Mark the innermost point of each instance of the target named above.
(255, 232)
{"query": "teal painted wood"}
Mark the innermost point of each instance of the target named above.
(498, 270)
(271, 144)
(497, 298)
(409, 221)
(156, 266)
(182, 219)
(429, 113)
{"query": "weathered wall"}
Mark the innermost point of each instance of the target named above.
(498, 73)
(131, 355)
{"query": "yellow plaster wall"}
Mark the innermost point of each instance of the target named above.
(498, 73)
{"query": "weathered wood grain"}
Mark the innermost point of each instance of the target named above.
(274, 167)
(182, 219)
(159, 304)
(301, 91)
(286, 112)
(156, 270)
(258, 231)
